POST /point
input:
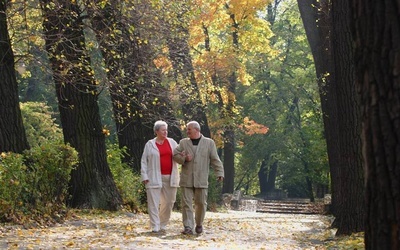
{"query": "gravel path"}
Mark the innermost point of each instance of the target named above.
(228, 230)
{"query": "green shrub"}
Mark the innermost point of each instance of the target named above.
(49, 167)
(39, 123)
(13, 185)
(35, 183)
(214, 192)
(128, 182)
(178, 201)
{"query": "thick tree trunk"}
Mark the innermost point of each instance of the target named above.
(267, 176)
(122, 64)
(318, 38)
(92, 185)
(376, 30)
(350, 209)
(137, 95)
(12, 132)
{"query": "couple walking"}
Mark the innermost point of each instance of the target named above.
(160, 174)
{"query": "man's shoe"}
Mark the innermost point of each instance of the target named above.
(187, 230)
(199, 229)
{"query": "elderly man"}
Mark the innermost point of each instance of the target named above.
(196, 154)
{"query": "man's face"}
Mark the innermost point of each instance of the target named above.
(191, 132)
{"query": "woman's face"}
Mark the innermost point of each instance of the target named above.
(162, 133)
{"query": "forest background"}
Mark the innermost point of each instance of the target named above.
(253, 86)
(262, 77)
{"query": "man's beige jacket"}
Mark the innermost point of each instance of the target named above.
(195, 172)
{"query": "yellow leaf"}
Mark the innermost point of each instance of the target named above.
(70, 244)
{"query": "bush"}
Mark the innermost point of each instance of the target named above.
(49, 167)
(36, 183)
(13, 184)
(127, 181)
(39, 123)
(214, 193)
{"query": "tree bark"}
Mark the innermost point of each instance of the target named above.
(228, 114)
(137, 96)
(273, 170)
(317, 33)
(263, 177)
(229, 161)
(177, 35)
(12, 131)
(92, 184)
(376, 30)
(350, 210)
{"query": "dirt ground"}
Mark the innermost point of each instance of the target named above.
(226, 230)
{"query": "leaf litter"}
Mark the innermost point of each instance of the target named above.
(222, 230)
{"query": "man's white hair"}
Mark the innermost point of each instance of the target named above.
(194, 124)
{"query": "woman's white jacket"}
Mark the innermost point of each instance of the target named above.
(150, 165)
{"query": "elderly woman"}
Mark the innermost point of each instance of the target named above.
(160, 175)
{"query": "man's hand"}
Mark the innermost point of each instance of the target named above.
(220, 179)
(145, 182)
(188, 157)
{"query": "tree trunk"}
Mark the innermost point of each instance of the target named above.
(192, 108)
(137, 95)
(267, 176)
(122, 70)
(40, 81)
(318, 38)
(92, 185)
(263, 177)
(229, 162)
(177, 35)
(228, 114)
(229, 133)
(376, 29)
(350, 209)
(12, 131)
(273, 170)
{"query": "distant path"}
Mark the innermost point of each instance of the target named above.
(229, 230)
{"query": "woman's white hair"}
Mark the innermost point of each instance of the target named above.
(159, 124)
